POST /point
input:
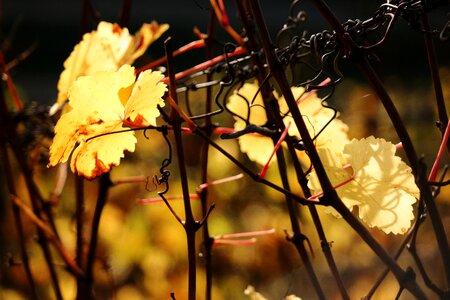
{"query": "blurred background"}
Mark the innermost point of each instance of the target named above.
(142, 251)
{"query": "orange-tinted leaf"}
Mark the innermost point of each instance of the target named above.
(102, 105)
(105, 49)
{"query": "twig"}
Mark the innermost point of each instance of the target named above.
(249, 172)
(325, 245)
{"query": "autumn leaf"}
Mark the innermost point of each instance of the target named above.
(379, 183)
(103, 105)
(106, 49)
(248, 101)
(317, 117)
(256, 146)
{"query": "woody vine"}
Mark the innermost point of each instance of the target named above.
(251, 89)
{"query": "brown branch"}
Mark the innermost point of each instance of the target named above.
(125, 13)
(71, 265)
(190, 224)
(16, 211)
(85, 286)
(204, 150)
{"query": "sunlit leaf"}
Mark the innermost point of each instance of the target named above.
(247, 101)
(383, 187)
(317, 117)
(257, 147)
(102, 106)
(106, 49)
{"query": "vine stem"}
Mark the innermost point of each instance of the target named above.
(190, 225)
(330, 195)
(434, 72)
(85, 286)
(125, 13)
(250, 173)
(325, 245)
(298, 238)
(208, 242)
(79, 219)
(442, 147)
(418, 171)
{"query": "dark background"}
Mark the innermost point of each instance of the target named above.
(54, 26)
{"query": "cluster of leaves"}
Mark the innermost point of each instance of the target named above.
(103, 101)
(107, 104)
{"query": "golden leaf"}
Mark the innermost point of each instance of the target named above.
(106, 49)
(383, 186)
(316, 116)
(257, 147)
(103, 105)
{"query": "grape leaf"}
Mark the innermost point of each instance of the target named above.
(106, 49)
(103, 105)
(383, 187)
(259, 147)
(256, 146)
(316, 117)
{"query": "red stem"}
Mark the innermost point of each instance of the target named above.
(442, 148)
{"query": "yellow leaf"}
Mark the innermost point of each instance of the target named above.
(106, 49)
(141, 108)
(146, 36)
(97, 156)
(259, 148)
(316, 117)
(103, 105)
(383, 186)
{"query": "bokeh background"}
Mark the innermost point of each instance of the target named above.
(142, 251)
